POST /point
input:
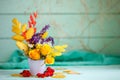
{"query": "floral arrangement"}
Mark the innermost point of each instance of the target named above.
(36, 45)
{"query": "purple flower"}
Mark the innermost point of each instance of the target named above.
(44, 29)
(36, 38)
(50, 39)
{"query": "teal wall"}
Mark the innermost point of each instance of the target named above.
(92, 25)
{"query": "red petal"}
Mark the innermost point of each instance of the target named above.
(35, 14)
(34, 30)
(29, 23)
(34, 23)
(31, 18)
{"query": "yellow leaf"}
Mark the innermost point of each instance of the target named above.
(15, 29)
(54, 54)
(23, 28)
(29, 33)
(18, 37)
(65, 46)
(22, 46)
(15, 21)
(16, 75)
(58, 76)
(59, 48)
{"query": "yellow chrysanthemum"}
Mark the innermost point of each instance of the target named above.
(45, 35)
(49, 60)
(34, 54)
(45, 49)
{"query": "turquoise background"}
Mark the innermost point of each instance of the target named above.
(87, 25)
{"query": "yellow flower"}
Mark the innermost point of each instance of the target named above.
(45, 49)
(34, 54)
(45, 35)
(49, 60)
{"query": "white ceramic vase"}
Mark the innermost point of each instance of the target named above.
(36, 66)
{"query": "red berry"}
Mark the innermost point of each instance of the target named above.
(48, 68)
(49, 72)
(39, 74)
(46, 74)
(26, 73)
(42, 75)
(52, 70)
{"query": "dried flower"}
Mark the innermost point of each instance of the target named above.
(36, 45)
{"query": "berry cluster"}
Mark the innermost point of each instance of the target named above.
(49, 72)
(26, 73)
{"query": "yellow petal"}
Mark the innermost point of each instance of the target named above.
(23, 28)
(29, 33)
(18, 37)
(22, 46)
(15, 29)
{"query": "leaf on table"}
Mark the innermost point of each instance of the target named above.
(60, 68)
(70, 72)
(58, 75)
(16, 75)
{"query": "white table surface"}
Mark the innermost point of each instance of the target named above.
(86, 73)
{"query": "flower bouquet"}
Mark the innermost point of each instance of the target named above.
(37, 46)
